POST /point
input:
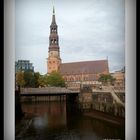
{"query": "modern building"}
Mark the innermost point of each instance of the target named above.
(74, 73)
(23, 65)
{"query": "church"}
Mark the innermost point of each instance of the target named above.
(74, 73)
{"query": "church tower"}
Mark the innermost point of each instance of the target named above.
(54, 60)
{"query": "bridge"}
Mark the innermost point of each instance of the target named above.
(107, 99)
(48, 91)
(59, 91)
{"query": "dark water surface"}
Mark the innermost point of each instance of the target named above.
(49, 121)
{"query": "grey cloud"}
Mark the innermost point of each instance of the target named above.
(88, 30)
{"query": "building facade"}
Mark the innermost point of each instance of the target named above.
(74, 73)
(23, 65)
(120, 78)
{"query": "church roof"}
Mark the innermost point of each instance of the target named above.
(84, 67)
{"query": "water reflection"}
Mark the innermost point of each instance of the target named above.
(48, 121)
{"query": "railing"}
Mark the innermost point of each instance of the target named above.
(107, 89)
(113, 92)
(46, 90)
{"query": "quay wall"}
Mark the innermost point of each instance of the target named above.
(101, 101)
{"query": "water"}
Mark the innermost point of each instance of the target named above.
(49, 121)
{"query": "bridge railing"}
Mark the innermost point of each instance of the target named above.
(107, 89)
(47, 90)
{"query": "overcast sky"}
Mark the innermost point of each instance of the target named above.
(87, 29)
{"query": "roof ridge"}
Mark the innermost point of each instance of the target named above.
(84, 61)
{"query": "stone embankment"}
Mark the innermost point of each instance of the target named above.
(105, 117)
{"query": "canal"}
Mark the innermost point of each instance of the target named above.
(49, 121)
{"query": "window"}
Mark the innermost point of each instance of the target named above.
(30, 67)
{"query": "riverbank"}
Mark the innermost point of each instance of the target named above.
(105, 117)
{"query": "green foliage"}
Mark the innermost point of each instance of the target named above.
(55, 79)
(29, 79)
(42, 80)
(107, 78)
(36, 79)
(20, 78)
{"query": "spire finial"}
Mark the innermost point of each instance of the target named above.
(53, 16)
(53, 11)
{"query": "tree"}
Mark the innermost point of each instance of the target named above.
(107, 78)
(36, 79)
(20, 78)
(55, 79)
(29, 79)
(42, 81)
(112, 80)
